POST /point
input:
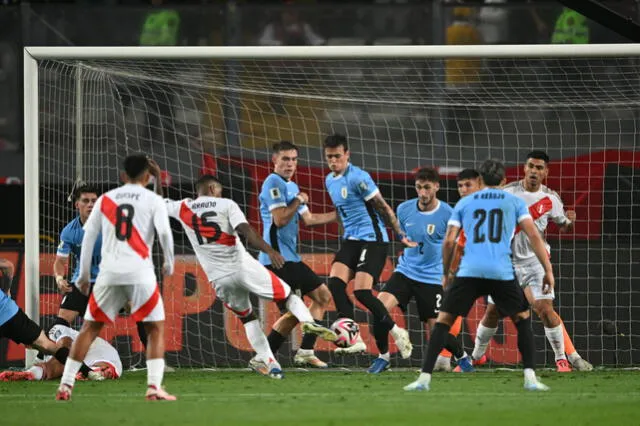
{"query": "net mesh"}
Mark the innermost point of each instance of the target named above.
(195, 116)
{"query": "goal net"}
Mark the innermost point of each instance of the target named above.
(218, 111)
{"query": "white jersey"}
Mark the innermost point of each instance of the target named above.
(544, 205)
(127, 217)
(210, 224)
(99, 351)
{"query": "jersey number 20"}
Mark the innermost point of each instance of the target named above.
(494, 223)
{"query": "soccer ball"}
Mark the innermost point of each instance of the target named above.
(347, 331)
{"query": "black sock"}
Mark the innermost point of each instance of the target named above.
(376, 307)
(142, 333)
(526, 344)
(338, 289)
(381, 334)
(308, 341)
(436, 343)
(275, 340)
(451, 344)
(63, 353)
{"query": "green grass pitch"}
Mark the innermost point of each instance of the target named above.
(332, 398)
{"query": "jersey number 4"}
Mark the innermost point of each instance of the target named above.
(207, 231)
(494, 225)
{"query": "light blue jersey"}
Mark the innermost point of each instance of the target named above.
(350, 192)
(8, 308)
(71, 242)
(278, 192)
(424, 262)
(489, 218)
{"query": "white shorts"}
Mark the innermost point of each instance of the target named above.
(250, 278)
(108, 298)
(530, 274)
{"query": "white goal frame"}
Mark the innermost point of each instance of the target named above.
(31, 108)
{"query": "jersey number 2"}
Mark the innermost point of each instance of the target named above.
(124, 225)
(494, 224)
(207, 231)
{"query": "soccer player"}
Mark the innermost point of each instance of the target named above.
(489, 218)
(102, 358)
(74, 302)
(17, 326)
(544, 205)
(418, 274)
(282, 205)
(468, 182)
(212, 224)
(363, 250)
(127, 218)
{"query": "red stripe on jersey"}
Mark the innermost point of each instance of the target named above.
(241, 314)
(538, 209)
(278, 288)
(213, 235)
(136, 242)
(148, 306)
(97, 313)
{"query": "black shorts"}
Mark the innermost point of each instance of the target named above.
(428, 296)
(21, 329)
(299, 276)
(75, 300)
(463, 292)
(363, 256)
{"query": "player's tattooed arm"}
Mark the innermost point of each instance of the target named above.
(389, 218)
(257, 242)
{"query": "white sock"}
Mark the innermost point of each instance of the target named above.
(306, 352)
(296, 306)
(443, 359)
(530, 375)
(424, 378)
(395, 331)
(155, 372)
(574, 357)
(386, 356)
(71, 368)
(37, 372)
(483, 337)
(258, 341)
(556, 339)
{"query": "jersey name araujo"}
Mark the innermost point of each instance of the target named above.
(203, 205)
(489, 196)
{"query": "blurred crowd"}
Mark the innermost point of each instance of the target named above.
(301, 22)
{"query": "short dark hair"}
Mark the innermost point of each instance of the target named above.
(427, 173)
(85, 188)
(284, 146)
(135, 165)
(538, 155)
(206, 180)
(468, 174)
(492, 172)
(336, 140)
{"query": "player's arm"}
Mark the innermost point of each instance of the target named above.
(257, 242)
(448, 250)
(91, 232)
(283, 215)
(535, 239)
(7, 270)
(389, 218)
(155, 171)
(61, 264)
(569, 220)
(315, 219)
(165, 236)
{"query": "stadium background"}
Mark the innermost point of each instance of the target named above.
(596, 298)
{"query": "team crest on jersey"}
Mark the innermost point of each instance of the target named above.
(541, 208)
(430, 228)
(344, 192)
(275, 193)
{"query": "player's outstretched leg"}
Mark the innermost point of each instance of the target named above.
(305, 356)
(485, 332)
(296, 306)
(443, 363)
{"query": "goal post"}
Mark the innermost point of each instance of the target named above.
(85, 108)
